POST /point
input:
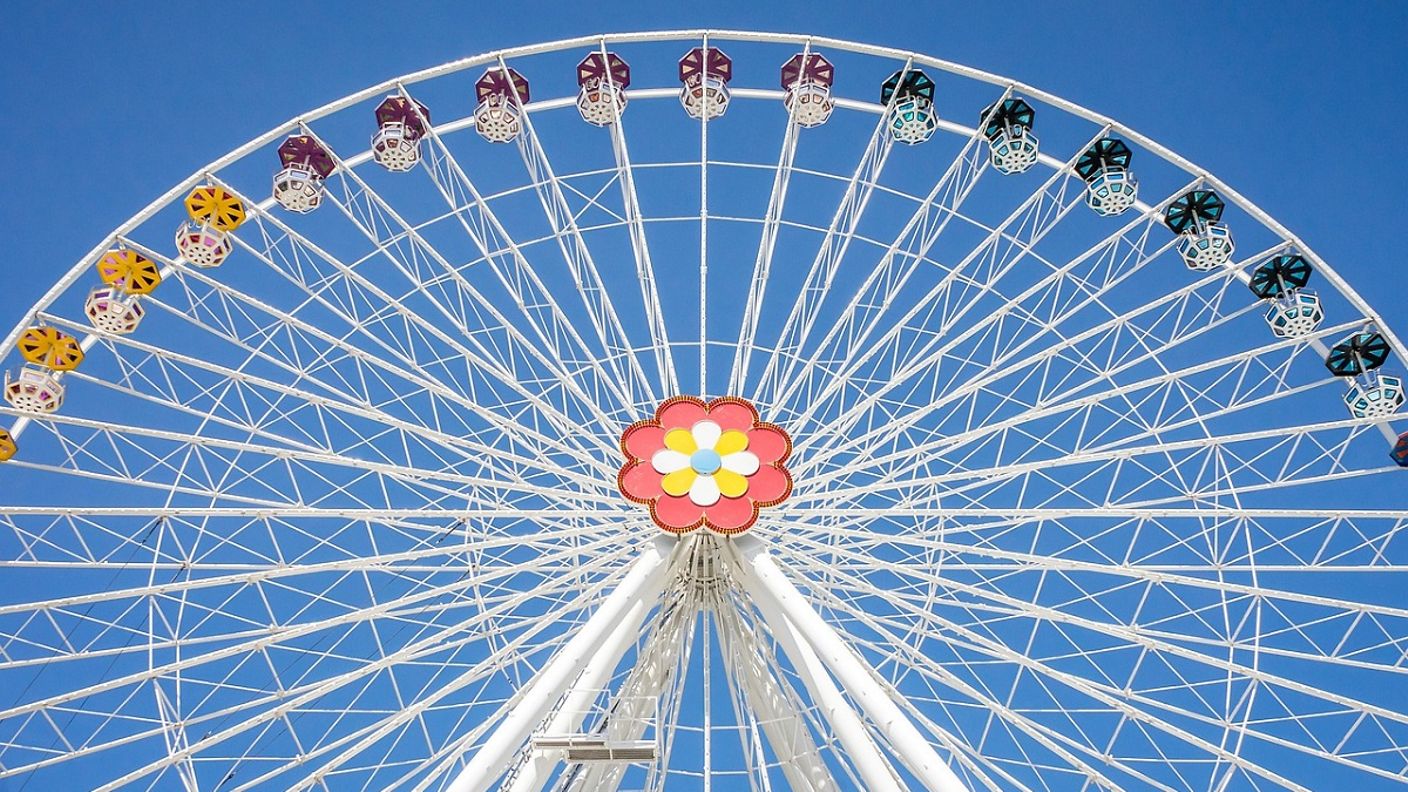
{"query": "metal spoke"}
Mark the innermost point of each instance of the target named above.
(357, 498)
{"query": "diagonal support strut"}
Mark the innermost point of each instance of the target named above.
(777, 597)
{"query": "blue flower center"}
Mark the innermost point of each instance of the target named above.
(705, 461)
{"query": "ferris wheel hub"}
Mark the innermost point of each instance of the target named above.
(282, 442)
(705, 464)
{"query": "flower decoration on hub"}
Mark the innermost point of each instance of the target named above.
(704, 464)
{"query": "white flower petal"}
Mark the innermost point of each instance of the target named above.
(706, 434)
(744, 463)
(667, 461)
(705, 491)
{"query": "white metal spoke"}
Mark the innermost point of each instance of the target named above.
(762, 263)
(1113, 696)
(991, 261)
(704, 287)
(797, 327)
(284, 245)
(162, 376)
(280, 702)
(640, 249)
(585, 275)
(559, 343)
(358, 501)
(1232, 366)
(312, 348)
(901, 258)
(987, 700)
(1176, 303)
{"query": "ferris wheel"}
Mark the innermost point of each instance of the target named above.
(702, 410)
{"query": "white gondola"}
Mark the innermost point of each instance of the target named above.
(1014, 150)
(809, 102)
(34, 390)
(113, 310)
(1206, 248)
(704, 74)
(601, 102)
(912, 120)
(202, 245)
(395, 147)
(298, 188)
(1112, 191)
(497, 119)
(705, 97)
(1295, 314)
(1374, 395)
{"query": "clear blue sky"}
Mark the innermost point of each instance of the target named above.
(1298, 105)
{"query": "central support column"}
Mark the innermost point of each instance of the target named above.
(648, 680)
(573, 710)
(642, 585)
(772, 591)
(864, 754)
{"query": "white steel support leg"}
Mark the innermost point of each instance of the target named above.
(865, 755)
(642, 584)
(850, 731)
(648, 680)
(570, 714)
(787, 733)
(771, 590)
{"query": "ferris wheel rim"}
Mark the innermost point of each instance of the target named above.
(744, 93)
(603, 40)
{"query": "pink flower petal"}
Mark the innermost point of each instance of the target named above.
(643, 440)
(640, 482)
(769, 444)
(769, 485)
(681, 414)
(677, 514)
(732, 415)
(730, 515)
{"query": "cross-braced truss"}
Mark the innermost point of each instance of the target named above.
(342, 513)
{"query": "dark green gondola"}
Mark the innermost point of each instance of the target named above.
(1280, 274)
(1358, 354)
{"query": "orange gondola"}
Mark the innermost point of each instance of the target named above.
(130, 271)
(50, 348)
(215, 207)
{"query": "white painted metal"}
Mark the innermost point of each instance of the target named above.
(766, 581)
(823, 268)
(352, 488)
(871, 765)
(785, 728)
(650, 679)
(642, 585)
(567, 718)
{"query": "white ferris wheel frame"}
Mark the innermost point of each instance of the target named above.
(821, 657)
(601, 42)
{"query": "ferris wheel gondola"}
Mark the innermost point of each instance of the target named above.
(450, 484)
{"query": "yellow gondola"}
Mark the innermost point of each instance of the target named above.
(129, 271)
(50, 348)
(215, 207)
(7, 446)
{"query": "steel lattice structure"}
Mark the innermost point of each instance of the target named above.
(1064, 511)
